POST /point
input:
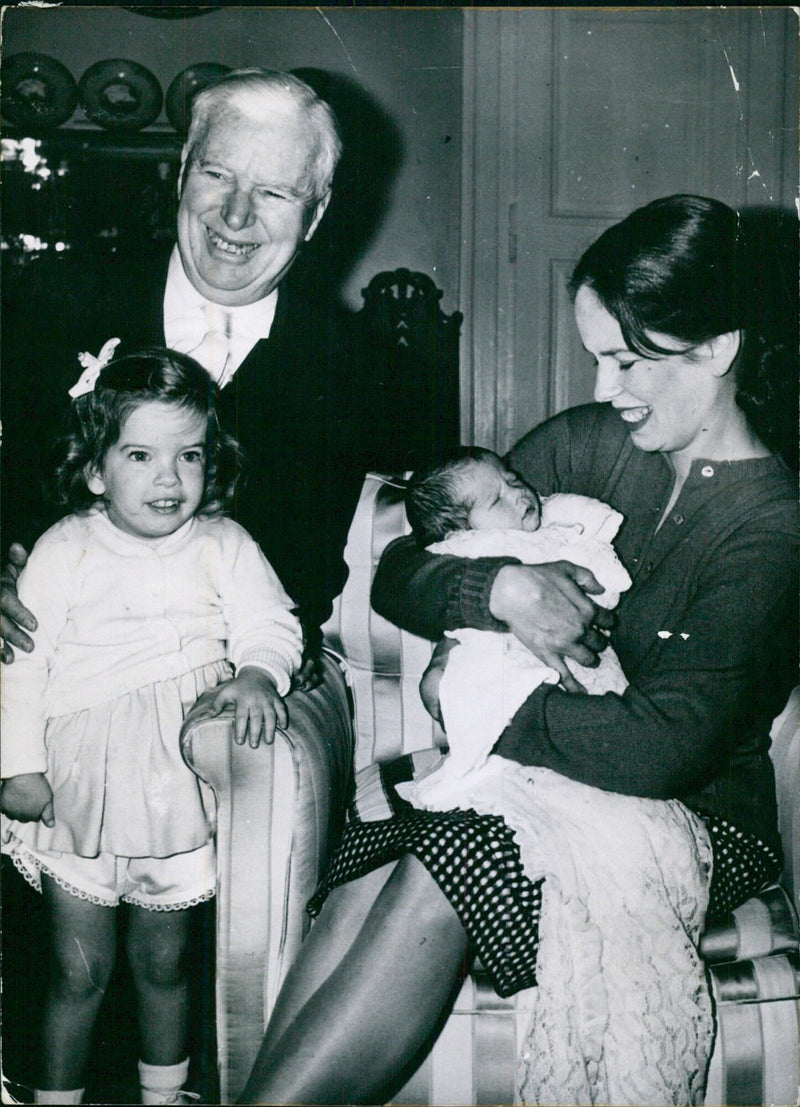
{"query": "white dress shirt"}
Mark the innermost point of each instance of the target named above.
(219, 337)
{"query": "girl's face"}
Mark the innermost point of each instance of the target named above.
(672, 403)
(153, 477)
(499, 498)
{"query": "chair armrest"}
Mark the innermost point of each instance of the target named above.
(765, 924)
(279, 811)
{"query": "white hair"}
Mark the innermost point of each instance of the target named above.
(253, 92)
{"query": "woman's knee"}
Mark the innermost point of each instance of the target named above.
(423, 899)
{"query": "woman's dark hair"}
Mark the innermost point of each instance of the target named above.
(435, 503)
(692, 268)
(97, 417)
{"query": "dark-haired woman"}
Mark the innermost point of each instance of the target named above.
(681, 442)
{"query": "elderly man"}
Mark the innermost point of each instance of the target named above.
(255, 180)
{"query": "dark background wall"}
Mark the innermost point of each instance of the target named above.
(395, 77)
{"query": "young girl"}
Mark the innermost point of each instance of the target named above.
(146, 597)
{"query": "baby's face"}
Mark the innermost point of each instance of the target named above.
(500, 498)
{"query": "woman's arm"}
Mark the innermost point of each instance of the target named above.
(545, 606)
(428, 594)
(675, 725)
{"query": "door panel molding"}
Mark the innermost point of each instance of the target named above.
(704, 100)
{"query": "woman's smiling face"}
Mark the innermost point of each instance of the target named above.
(667, 402)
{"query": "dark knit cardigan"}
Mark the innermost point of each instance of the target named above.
(707, 635)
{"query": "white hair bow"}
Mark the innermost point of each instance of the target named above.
(92, 367)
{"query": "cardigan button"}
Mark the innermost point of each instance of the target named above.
(707, 471)
(678, 519)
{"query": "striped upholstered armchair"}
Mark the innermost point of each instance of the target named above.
(275, 827)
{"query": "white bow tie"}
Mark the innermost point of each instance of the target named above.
(214, 354)
(212, 348)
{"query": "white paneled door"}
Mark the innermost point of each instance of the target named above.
(573, 117)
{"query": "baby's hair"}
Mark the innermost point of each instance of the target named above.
(435, 503)
(96, 420)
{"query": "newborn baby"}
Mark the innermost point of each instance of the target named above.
(472, 505)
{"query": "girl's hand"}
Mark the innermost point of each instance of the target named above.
(259, 708)
(28, 798)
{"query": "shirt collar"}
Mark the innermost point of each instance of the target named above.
(123, 542)
(181, 300)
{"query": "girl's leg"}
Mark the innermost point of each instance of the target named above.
(351, 1040)
(83, 941)
(157, 947)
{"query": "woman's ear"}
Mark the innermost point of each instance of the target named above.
(94, 482)
(722, 350)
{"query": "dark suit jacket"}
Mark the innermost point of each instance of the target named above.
(305, 405)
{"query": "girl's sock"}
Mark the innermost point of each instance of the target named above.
(53, 1095)
(159, 1082)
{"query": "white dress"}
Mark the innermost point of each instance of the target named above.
(130, 634)
(626, 879)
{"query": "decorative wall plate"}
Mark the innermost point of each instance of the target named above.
(37, 91)
(120, 95)
(184, 88)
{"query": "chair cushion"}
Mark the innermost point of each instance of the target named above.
(756, 1058)
(764, 924)
(785, 753)
(279, 809)
(385, 663)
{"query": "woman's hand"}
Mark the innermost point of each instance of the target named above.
(432, 678)
(13, 615)
(547, 608)
(28, 798)
(259, 708)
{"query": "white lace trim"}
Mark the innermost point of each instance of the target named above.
(31, 868)
(170, 906)
(622, 1012)
(618, 934)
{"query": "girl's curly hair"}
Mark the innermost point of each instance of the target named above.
(96, 420)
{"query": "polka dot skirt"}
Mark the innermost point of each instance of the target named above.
(477, 864)
(742, 865)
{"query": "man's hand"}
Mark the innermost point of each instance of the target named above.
(259, 708)
(547, 608)
(432, 678)
(13, 616)
(28, 798)
(308, 676)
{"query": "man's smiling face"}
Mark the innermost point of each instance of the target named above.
(247, 203)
